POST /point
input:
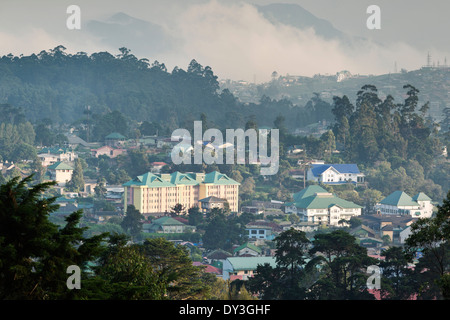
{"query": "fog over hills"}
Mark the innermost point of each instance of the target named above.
(240, 40)
(297, 17)
(122, 30)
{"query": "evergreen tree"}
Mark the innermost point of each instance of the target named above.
(125, 273)
(77, 182)
(343, 261)
(195, 216)
(432, 236)
(177, 210)
(173, 266)
(35, 253)
(132, 222)
(397, 281)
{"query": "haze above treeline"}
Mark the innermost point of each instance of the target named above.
(240, 40)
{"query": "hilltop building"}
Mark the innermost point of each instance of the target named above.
(316, 205)
(158, 193)
(335, 173)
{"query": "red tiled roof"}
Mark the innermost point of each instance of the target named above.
(208, 268)
(182, 220)
(158, 163)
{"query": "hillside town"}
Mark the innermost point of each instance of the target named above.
(172, 204)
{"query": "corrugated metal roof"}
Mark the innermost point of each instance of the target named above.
(60, 166)
(399, 198)
(167, 221)
(115, 135)
(309, 191)
(318, 169)
(177, 178)
(421, 197)
(216, 177)
(248, 245)
(315, 197)
(250, 263)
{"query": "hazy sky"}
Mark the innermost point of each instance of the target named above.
(237, 42)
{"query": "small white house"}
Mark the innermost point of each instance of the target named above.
(60, 172)
(49, 156)
(244, 267)
(259, 232)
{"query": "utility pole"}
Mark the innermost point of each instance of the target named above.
(88, 111)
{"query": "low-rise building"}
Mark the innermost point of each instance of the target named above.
(315, 204)
(335, 173)
(259, 232)
(166, 225)
(244, 267)
(209, 203)
(400, 203)
(247, 250)
(60, 172)
(49, 156)
(107, 151)
(114, 139)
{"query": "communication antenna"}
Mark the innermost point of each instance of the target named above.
(429, 60)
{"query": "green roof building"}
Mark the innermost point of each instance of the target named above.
(244, 267)
(115, 136)
(165, 224)
(247, 249)
(60, 172)
(114, 139)
(157, 193)
(60, 166)
(316, 205)
(400, 203)
(398, 199)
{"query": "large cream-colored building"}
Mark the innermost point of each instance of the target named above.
(159, 193)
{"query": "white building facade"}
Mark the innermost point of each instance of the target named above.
(315, 205)
(400, 203)
(335, 173)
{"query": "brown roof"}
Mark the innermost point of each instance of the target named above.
(262, 223)
(374, 221)
(219, 255)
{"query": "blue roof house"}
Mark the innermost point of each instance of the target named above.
(335, 173)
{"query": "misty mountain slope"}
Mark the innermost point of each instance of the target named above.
(296, 16)
(122, 30)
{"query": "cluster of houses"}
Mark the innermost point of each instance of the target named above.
(376, 232)
(316, 207)
(154, 194)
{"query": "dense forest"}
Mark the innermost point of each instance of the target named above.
(393, 142)
(61, 86)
